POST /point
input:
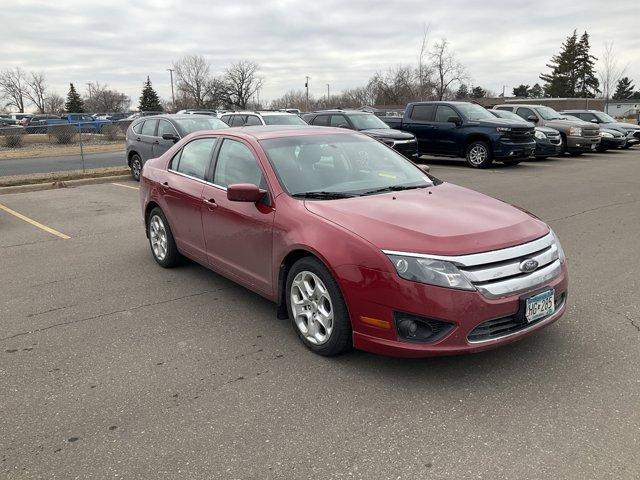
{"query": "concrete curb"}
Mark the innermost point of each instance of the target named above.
(62, 184)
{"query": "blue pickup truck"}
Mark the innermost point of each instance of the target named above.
(85, 122)
(466, 130)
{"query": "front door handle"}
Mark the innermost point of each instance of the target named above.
(211, 204)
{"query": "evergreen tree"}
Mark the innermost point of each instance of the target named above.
(536, 91)
(478, 92)
(463, 92)
(624, 89)
(562, 80)
(587, 82)
(74, 103)
(521, 91)
(149, 101)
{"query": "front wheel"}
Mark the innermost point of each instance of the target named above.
(136, 166)
(478, 155)
(317, 310)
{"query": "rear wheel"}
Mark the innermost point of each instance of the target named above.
(478, 154)
(317, 310)
(163, 246)
(136, 166)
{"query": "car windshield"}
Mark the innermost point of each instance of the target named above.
(508, 115)
(548, 113)
(283, 120)
(197, 123)
(366, 121)
(605, 118)
(340, 165)
(474, 112)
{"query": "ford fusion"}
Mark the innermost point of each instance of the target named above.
(356, 245)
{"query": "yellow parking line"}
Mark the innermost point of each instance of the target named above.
(125, 186)
(34, 223)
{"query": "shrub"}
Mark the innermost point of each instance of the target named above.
(63, 134)
(12, 136)
(111, 132)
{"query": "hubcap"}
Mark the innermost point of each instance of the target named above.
(158, 237)
(136, 166)
(478, 154)
(312, 307)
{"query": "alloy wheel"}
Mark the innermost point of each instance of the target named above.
(158, 237)
(478, 154)
(312, 307)
(136, 167)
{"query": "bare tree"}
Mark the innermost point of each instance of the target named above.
(103, 99)
(425, 71)
(292, 99)
(54, 103)
(609, 71)
(242, 81)
(396, 86)
(195, 84)
(447, 70)
(36, 90)
(13, 87)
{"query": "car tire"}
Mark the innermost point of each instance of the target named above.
(161, 241)
(136, 166)
(479, 154)
(317, 309)
(563, 145)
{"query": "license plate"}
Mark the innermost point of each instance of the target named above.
(540, 305)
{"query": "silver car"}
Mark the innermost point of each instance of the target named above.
(150, 137)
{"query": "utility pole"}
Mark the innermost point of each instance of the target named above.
(173, 97)
(328, 95)
(89, 84)
(306, 85)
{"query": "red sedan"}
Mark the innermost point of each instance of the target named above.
(356, 245)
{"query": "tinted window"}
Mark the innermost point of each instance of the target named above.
(166, 127)
(321, 120)
(149, 127)
(236, 164)
(587, 117)
(526, 113)
(252, 120)
(444, 112)
(137, 128)
(195, 158)
(237, 120)
(506, 109)
(422, 113)
(338, 120)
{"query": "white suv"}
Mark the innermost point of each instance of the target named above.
(263, 117)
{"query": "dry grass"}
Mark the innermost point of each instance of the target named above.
(38, 149)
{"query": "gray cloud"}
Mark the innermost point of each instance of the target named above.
(342, 43)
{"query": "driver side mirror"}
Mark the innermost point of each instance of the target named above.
(455, 120)
(425, 168)
(245, 192)
(343, 125)
(170, 136)
(532, 118)
(593, 120)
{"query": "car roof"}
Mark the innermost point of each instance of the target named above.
(259, 112)
(264, 132)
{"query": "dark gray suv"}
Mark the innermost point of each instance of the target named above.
(150, 137)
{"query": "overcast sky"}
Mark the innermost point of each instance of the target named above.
(501, 42)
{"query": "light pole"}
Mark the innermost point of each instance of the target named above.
(89, 86)
(328, 95)
(306, 85)
(173, 97)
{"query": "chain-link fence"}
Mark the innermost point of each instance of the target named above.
(44, 144)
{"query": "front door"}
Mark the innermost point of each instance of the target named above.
(160, 145)
(446, 133)
(238, 235)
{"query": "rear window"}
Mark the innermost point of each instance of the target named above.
(137, 128)
(422, 113)
(149, 127)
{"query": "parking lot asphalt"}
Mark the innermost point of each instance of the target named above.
(65, 163)
(112, 367)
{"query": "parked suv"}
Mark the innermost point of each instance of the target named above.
(577, 137)
(630, 131)
(262, 117)
(547, 139)
(467, 130)
(39, 123)
(369, 124)
(609, 138)
(150, 137)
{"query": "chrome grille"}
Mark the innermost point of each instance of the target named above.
(591, 132)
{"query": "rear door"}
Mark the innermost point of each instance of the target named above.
(420, 123)
(445, 133)
(147, 138)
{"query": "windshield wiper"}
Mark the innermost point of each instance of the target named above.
(323, 195)
(393, 188)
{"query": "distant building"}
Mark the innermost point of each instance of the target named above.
(624, 108)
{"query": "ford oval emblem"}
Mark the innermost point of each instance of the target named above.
(528, 266)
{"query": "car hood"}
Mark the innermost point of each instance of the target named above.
(621, 125)
(613, 131)
(502, 122)
(564, 124)
(391, 133)
(546, 130)
(442, 220)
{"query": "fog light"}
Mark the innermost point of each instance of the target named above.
(419, 329)
(407, 328)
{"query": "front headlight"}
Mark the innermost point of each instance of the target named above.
(575, 131)
(561, 254)
(430, 271)
(606, 135)
(540, 135)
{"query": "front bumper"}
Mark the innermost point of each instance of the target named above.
(544, 148)
(408, 148)
(504, 149)
(612, 143)
(582, 144)
(375, 294)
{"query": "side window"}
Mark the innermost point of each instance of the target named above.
(252, 120)
(195, 158)
(137, 128)
(149, 127)
(526, 113)
(166, 127)
(236, 164)
(444, 112)
(237, 120)
(321, 120)
(506, 109)
(338, 120)
(422, 113)
(587, 117)
(226, 119)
